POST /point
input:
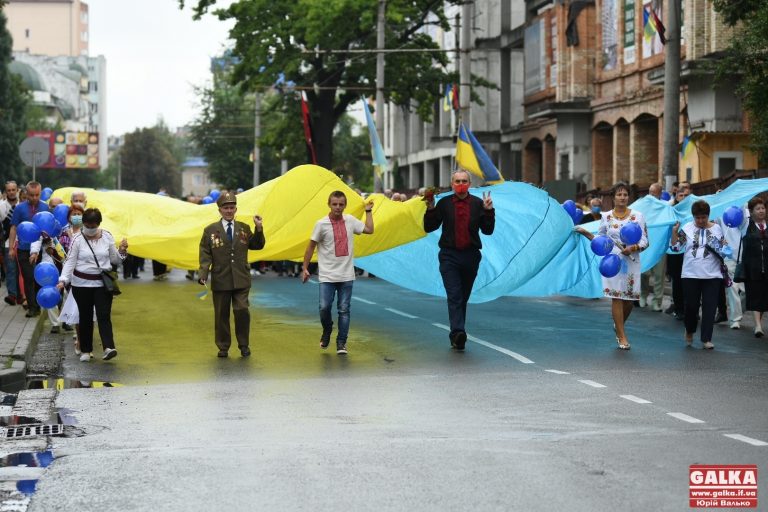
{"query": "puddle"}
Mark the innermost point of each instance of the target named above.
(21, 471)
(37, 383)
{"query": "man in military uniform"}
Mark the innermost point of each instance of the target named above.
(224, 253)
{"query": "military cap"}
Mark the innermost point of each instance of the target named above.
(226, 198)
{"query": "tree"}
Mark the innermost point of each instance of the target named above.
(748, 59)
(277, 41)
(150, 161)
(13, 107)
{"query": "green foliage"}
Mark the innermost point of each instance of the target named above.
(748, 59)
(13, 105)
(275, 37)
(150, 160)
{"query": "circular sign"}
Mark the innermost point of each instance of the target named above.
(34, 151)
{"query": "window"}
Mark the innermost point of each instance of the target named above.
(84, 36)
(93, 86)
(535, 57)
(26, 33)
(553, 49)
(651, 40)
(610, 24)
(629, 31)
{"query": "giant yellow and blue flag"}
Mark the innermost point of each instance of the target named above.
(377, 151)
(471, 156)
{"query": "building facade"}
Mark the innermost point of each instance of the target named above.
(49, 27)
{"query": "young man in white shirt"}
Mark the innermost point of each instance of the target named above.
(333, 238)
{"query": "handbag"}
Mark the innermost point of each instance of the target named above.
(739, 274)
(723, 267)
(108, 277)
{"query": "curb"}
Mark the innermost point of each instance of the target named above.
(13, 378)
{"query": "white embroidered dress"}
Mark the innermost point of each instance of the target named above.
(626, 284)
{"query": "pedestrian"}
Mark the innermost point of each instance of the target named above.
(657, 272)
(48, 249)
(7, 207)
(462, 216)
(90, 253)
(754, 259)
(733, 293)
(24, 212)
(702, 243)
(69, 315)
(624, 288)
(224, 255)
(675, 265)
(334, 240)
(595, 207)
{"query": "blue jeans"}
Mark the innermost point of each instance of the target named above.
(344, 293)
(11, 274)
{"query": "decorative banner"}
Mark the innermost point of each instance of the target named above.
(629, 31)
(610, 24)
(70, 150)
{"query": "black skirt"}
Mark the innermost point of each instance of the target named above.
(757, 295)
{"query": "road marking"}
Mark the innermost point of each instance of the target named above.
(497, 348)
(557, 372)
(363, 300)
(636, 399)
(592, 383)
(748, 440)
(684, 417)
(397, 312)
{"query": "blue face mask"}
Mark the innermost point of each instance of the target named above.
(76, 220)
(595, 209)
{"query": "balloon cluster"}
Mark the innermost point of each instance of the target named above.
(733, 217)
(610, 265)
(42, 222)
(212, 196)
(47, 275)
(573, 211)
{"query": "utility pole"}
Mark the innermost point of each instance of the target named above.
(465, 62)
(378, 185)
(671, 164)
(256, 135)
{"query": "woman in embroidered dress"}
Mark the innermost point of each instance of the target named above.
(703, 242)
(624, 288)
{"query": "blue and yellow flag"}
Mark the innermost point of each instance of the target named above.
(687, 147)
(377, 151)
(471, 156)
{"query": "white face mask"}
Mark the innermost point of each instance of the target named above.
(90, 231)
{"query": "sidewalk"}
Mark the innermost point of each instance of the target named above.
(18, 336)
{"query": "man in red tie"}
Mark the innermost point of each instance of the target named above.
(333, 236)
(24, 212)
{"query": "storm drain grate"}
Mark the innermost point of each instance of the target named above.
(18, 431)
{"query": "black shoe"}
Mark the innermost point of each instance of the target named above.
(324, 343)
(670, 310)
(31, 313)
(67, 327)
(721, 318)
(341, 349)
(10, 300)
(245, 352)
(55, 329)
(459, 340)
(223, 353)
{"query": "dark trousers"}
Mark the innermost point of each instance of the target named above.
(28, 274)
(238, 300)
(87, 298)
(130, 267)
(459, 269)
(704, 293)
(158, 268)
(675, 270)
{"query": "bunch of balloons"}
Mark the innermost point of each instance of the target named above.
(610, 264)
(207, 200)
(47, 275)
(573, 211)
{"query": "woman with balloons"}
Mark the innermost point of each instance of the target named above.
(754, 260)
(704, 248)
(622, 235)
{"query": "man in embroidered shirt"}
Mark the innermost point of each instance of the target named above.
(462, 215)
(332, 236)
(224, 253)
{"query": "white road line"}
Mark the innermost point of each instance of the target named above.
(748, 440)
(397, 312)
(497, 348)
(592, 383)
(363, 300)
(636, 399)
(557, 372)
(684, 417)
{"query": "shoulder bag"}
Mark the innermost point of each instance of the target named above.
(723, 268)
(739, 274)
(108, 277)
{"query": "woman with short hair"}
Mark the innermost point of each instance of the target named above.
(754, 260)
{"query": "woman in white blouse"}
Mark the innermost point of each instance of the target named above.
(90, 253)
(703, 242)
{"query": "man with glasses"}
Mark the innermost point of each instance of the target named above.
(7, 206)
(462, 215)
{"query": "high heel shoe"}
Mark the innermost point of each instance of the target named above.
(623, 346)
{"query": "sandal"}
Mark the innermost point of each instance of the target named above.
(623, 346)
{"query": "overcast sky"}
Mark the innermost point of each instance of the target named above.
(155, 55)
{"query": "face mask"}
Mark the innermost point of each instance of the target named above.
(460, 188)
(595, 209)
(76, 220)
(90, 231)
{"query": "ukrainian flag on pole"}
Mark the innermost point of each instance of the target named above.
(377, 151)
(471, 156)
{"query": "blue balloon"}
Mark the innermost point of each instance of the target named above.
(28, 232)
(207, 200)
(46, 274)
(214, 194)
(46, 194)
(45, 221)
(570, 207)
(60, 213)
(610, 265)
(56, 229)
(631, 233)
(665, 196)
(577, 215)
(601, 245)
(48, 297)
(733, 217)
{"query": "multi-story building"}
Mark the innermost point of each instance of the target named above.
(49, 27)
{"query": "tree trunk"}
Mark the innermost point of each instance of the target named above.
(323, 123)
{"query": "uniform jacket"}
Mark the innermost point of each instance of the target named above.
(227, 262)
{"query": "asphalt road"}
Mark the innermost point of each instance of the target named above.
(542, 412)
